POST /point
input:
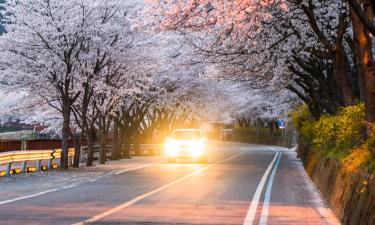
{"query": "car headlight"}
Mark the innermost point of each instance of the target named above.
(197, 148)
(171, 148)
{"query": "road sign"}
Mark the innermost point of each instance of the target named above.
(281, 124)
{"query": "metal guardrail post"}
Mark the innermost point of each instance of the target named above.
(24, 167)
(8, 169)
(49, 166)
(50, 161)
(38, 165)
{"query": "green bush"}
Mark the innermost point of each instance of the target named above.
(338, 136)
(303, 121)
(340, 133)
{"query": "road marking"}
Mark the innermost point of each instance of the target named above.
(294, 148)
(134, 168)
(28, 196)
(263, 149)
(250, 216)
(69, 186)
(143, 196)
(73, 185)
(267, 197)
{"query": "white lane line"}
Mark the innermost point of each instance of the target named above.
(134, 168)
(263, 149)
(267, 197)
(140, 197)
(294, 148)
(28, 196)
(74, 185)
(250, 216)
(69, 186)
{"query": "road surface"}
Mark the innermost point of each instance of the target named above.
(240, 184)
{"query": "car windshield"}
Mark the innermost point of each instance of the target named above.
(186, 134)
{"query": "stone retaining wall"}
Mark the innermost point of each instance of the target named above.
(351, 194)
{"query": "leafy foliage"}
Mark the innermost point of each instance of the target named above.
(339, 136)
(340, 132)
(303, 121)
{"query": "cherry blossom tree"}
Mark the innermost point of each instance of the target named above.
(48, 46)
(307, 46)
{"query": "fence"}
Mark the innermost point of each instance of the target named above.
(40, 144)
(144, 149)
(10, 145)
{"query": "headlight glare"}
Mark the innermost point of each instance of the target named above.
(171, 148)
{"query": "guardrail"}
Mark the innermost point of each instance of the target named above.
(32, 155)
(38, 155)
(145, 149)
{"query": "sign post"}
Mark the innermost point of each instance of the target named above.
(281, 125)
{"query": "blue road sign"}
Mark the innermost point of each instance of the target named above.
(281, 124)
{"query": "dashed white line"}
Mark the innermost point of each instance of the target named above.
(69, 186)
(134, 168)
(140, 197)
(28, 196)
(74, 185)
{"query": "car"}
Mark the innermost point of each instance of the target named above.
(186, 144)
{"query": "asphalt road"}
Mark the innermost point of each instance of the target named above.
(240, 184)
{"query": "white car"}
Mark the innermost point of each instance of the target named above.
(186, 144)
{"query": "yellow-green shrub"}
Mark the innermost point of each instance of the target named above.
(340, 132)
(339, 135)
(303, 121)
(300, 115)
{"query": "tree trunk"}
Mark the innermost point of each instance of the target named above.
(77, 154)
(137, 144)
(127, 154)
(115, 143)
(85, 104)
(272, 126)
(341, 74)
(103, 148)
(65, 136)
(363, 44)
(90, 147)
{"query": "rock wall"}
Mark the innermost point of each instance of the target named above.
(351, 194)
